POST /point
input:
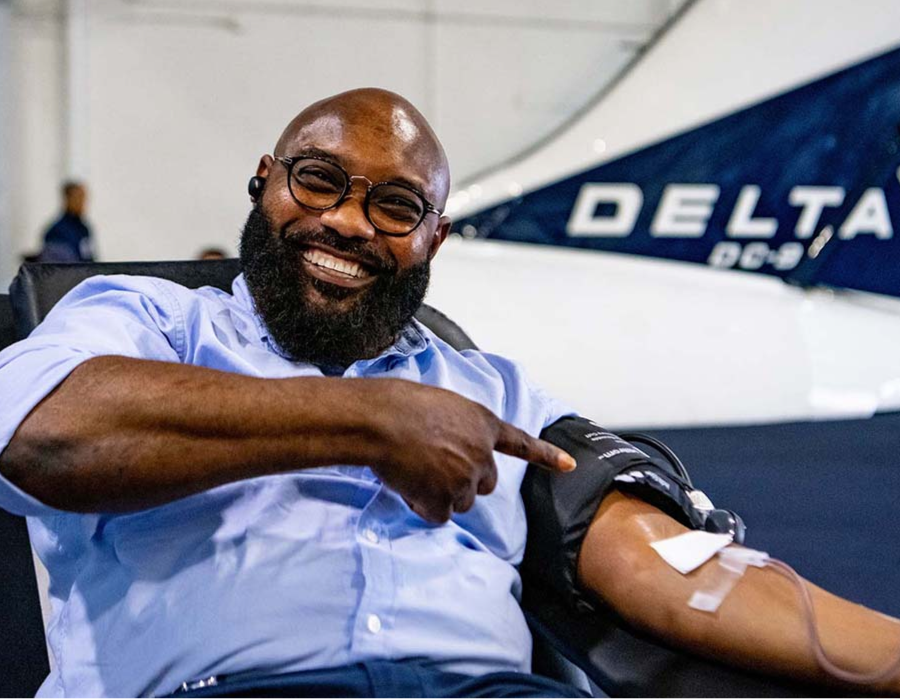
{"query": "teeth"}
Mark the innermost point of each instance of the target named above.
(330, 262)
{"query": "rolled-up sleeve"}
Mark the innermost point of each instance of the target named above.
(136, 317)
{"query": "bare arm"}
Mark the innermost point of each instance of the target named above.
(120, 434)
(760, 624)
(123, 434)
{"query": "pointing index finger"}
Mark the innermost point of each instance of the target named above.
(518, 443)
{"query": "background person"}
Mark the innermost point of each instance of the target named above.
(211, 254)
(69, 238)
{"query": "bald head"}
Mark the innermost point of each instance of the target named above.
(337, 249)
(392, 124)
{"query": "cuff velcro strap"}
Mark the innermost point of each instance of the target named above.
(561, 506)
(659, 487)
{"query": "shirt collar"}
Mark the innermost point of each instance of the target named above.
(413, 339)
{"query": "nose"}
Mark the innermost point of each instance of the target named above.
(348, 218)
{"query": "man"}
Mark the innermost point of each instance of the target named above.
(69, 238)
(298, 477)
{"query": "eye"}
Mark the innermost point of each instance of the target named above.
(319, 179)
(398, 204)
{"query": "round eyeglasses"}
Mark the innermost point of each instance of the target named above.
(393, 209)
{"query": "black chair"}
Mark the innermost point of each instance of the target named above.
(23, 654)
(580, 647)
(7, 322)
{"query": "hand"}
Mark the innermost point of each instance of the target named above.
(438, 448)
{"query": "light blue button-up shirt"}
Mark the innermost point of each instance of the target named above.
(295, 571)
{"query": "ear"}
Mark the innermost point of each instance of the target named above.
(265, 164)
(440, 235)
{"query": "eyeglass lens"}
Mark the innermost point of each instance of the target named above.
(319, 184)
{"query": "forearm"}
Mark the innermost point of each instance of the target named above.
(761, 623)
(123, 434)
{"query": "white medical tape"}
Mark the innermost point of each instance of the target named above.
(709, 599)
(733, 562)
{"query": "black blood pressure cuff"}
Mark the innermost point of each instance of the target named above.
(561, 506)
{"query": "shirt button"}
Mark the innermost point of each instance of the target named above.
(370, 535)
(374, 624)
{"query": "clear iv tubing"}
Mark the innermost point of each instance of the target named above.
(827, 664)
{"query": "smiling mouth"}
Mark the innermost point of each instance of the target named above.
(334, 269)
(332, 263)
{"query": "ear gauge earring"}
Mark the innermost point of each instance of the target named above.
(255, 187)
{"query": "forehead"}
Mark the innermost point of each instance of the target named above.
(387, 145)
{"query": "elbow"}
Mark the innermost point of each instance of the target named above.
(62, 451)
(43, 464)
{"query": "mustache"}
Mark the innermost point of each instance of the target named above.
(298, 239)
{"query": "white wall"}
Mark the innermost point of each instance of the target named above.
(183, 97)
(6, 243)
(35, 97)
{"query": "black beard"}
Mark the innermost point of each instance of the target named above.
(313, 332)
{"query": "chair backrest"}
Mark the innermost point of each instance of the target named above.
(7, 323)
(38, 287)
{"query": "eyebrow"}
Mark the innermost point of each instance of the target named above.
(312, 151)
(316, 153)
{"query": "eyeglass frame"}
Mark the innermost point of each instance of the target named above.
(288, 162)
